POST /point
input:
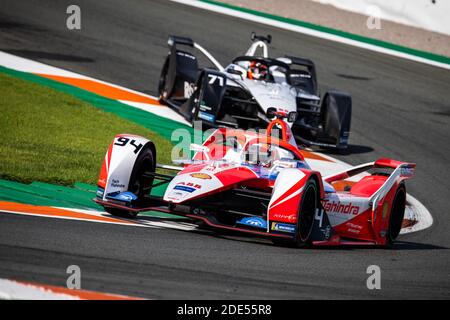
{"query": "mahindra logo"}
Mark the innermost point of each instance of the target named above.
(338, 207)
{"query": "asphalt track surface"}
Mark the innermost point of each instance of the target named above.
(401, 110)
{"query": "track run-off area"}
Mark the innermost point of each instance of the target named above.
(399, 112)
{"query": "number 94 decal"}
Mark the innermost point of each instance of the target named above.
(122, 142)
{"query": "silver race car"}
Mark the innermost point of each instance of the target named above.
(253, 90)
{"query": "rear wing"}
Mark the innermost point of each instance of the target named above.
(176, 40)
(353, 171)
(402, 171)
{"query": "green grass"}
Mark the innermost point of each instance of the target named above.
(50, 136)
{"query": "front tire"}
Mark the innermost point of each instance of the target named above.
(306, 213)
(141, 182)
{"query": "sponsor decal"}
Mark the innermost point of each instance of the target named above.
(352, 225)
(184, 54)
(204, 107)
(407, 171)
(190, 184)
(283, 227)
(184, 188)
(214, 168)
(292, 217)
(353, 228)
(200, 175)
(253, 222)
(116, 184)
(300, 75)
(174, 195)
(337, 207)
(206, 116)
(100, 192)
(122, 196)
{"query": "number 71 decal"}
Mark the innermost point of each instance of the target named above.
(213, 78)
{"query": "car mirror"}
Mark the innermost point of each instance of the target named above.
(271, 113)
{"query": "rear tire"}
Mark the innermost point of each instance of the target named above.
(396, 215)
(139, 183)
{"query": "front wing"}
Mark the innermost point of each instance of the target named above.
(323, 233)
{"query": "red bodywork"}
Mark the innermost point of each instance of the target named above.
(359, 213)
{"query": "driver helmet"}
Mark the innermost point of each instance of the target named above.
(259, 155)
(257, 70)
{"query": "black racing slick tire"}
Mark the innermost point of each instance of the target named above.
(141, 182)
(307, 209)
(396, 215)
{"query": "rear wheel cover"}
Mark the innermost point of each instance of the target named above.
(397, 214)
(163, 94)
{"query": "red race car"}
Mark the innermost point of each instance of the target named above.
(260, 184)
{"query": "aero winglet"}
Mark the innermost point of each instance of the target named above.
(390, 163)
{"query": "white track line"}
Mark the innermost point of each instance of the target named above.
(93, 213)
(415, 210)
(26, 65)
(307, 31)
(12, 290)
(17, 290)
(159, 110)
(140, 221)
